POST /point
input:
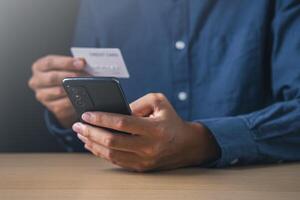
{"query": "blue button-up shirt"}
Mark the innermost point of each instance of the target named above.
(232, 65)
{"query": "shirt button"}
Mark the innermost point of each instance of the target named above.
(180, 45)
(235, 161)
(182, 96)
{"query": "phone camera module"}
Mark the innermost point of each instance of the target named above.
(79, 97)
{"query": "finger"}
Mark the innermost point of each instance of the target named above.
(51, 78)
(55, 62)
(50, 94)
(100, 151)
(147, 104)
(82, 138)
(129, 124)
(62, 107)
(107, 139)
(123, 159)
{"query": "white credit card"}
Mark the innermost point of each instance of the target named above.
(102, 62)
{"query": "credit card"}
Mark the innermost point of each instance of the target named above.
(102, 62)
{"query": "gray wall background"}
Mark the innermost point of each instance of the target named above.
(29, 29)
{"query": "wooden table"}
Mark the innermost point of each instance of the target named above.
(82, 176)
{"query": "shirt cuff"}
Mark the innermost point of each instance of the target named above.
(235, 140)
(54, 126)
(66, 137)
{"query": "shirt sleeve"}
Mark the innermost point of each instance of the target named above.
(85, 36)
(273, 133)
(66, 137)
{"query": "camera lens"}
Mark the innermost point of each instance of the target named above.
(80, 91)
(78, 97)
(79, 103)
(72, 90)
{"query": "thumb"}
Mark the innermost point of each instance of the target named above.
(146, 105)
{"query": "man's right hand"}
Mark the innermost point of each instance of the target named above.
(46, 81)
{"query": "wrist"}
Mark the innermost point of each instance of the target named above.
(208, 146)
(65, 121)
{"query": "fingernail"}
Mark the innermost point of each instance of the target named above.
(78, 63)
(77, 127)
(86, 117)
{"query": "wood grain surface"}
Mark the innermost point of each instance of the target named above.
(82, 176)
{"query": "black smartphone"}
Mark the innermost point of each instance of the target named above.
(96, 94)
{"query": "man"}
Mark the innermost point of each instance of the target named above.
(218, 83)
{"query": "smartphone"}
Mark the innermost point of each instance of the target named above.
(96, 94)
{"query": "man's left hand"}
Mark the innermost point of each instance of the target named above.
(157, 138)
